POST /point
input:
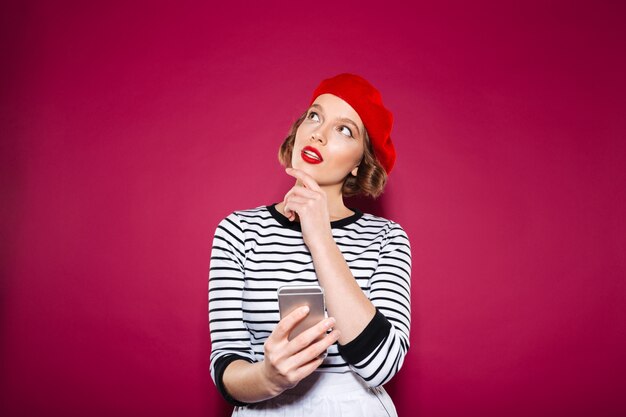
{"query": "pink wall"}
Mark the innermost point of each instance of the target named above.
(128, 132)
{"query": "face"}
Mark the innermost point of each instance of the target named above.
(329, 143)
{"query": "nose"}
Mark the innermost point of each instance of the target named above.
(318, 136)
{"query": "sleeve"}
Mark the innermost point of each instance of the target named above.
(230, 339)
(378, 353)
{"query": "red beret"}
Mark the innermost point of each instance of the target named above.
(368, 103)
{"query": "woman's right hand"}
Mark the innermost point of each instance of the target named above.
(288, 362)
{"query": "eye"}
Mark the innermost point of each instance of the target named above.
(345, 130)
(314, 116)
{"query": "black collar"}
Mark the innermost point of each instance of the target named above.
(280, 218)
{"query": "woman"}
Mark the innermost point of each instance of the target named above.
(339, 147)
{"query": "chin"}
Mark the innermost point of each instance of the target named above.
(312, 170)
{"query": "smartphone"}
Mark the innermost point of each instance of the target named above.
(291, 297)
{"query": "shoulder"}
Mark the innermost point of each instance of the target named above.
(246, 218)
(235, 226)
(260, 211)
(391, 230)
(371, 220)
(251, 213)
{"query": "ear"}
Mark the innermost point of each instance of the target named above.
(354, 171)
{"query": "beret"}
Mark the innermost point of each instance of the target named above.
(366, 100)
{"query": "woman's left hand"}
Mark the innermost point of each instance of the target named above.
(309, 202)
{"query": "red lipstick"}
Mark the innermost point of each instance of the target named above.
(311, 155)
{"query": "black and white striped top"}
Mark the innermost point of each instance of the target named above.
(256, 251)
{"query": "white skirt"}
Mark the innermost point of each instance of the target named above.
(325, 394)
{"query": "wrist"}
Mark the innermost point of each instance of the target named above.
(321, 243)
(273, 389)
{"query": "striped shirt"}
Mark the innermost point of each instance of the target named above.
(256, 251)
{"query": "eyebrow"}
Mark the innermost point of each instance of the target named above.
(342, 119)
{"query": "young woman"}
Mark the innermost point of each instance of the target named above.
(339, 147)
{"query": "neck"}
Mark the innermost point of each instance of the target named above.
(336, 207)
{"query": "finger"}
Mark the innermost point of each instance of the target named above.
(308, 368)
(291, 216)
(295, 190)
(289, 211)
(305, 178)
(294, 207)
(315, 350)
(286, 198)
(302, 192)
(309, 336)
(296, 201)
(287, 323)
(322, 345)
(286, 209)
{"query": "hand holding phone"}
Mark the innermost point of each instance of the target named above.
(286, 362)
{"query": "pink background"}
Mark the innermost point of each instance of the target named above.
(129, 131)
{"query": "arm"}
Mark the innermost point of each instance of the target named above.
(237, 376)
(379, 340)
(378, 353)
(375, 331)
(230, 340)
(344, 298)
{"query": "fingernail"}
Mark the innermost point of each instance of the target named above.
(305, 309)
(330, 322)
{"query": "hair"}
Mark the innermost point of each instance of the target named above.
(370, 179)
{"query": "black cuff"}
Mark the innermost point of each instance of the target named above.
(361, 346)
(220, 367)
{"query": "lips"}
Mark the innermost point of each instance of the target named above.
(311, 155)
